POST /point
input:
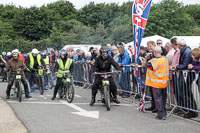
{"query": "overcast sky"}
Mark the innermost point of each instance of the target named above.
(77, 3)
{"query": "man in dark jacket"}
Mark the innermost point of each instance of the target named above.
(185, 56)
(185, 97)
(103, 64)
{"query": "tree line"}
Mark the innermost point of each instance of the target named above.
(58, 24)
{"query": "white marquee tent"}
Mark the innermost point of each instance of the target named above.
(150, 38)
(84, 47)
(191, 41)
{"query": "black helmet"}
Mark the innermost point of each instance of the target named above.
(104, 49)
(63, 52)
(43, 54)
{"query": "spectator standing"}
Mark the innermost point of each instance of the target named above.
(170, 52)
(115, 57)
(195, 53)
(142, 55)
(175, 59)
(108, 46)
(159, 42)
(157, 77)
(183, 88)
(124, 81)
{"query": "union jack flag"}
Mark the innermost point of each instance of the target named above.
(140, 15)
(142, 104)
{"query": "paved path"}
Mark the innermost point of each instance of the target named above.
(42, 115)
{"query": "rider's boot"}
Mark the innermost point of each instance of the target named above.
(28, 96)
(116, 100)
(92, 101)
(93, 98)
(54, 95)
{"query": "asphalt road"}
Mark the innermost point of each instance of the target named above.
(42, 115)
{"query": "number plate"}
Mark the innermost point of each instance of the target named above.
(48, 71)
(18, 76)
(40, 72)
(68, 80)
(105, 82)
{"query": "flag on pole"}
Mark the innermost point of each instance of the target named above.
(140, 12)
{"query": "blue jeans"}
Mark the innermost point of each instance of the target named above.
(124, 83)
(48, 80)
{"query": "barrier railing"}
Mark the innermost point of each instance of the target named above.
(83, 74)
(183, 89)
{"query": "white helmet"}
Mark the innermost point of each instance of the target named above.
(3, 53)
(9, 54)
(35, 52)
(15, 52)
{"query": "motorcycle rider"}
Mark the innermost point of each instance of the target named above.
(47, 75)
(9, 55)
(63, 64)
(13, 64)
(102, 64)
(33, 61)
(3, 61)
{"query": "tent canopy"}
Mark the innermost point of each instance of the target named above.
(150, 38)
(191, 41)
(84, 47)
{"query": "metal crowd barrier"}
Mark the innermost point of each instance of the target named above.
(184, 90)
(83, 74)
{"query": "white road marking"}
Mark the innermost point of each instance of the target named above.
(43, 97)
(49, 95)
(82, 112)
(127, 105)
(48, 103)
(77, 95)
(29, 99)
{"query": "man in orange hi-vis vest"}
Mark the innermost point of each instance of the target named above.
(157, 77)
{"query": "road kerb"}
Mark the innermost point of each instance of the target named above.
(9, 123)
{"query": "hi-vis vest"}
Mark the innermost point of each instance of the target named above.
(32, 60)
(46, 60)
(2, 59)
(63, 68)
(159, 76)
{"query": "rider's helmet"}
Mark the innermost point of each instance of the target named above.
(35, 52)
(15, 52)
(3, 53)
(63, 52)
(104, 49)
(9, 54)
(43, 54)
